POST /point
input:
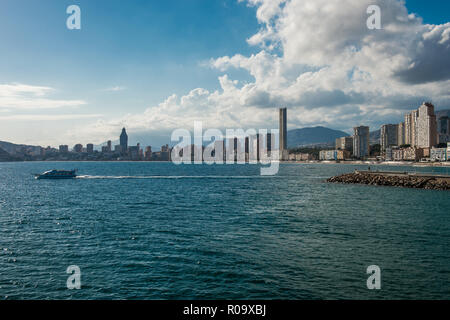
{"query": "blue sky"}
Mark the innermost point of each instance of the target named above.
(153, 48)
(129, 55)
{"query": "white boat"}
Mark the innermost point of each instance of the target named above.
(57, 174)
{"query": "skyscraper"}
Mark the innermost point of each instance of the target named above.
(63, 148)
(283, 133)
(401, 134)
(388, 136)
(408, 129)
(414, 134)
(90, 148)
(361, 147)
(344, 143)
(124, 140)
(426, 126)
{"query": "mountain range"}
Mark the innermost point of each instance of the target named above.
(313, 136)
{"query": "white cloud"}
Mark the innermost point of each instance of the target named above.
(318, 58)
(115, 89)
(22, 96)
(45, 117)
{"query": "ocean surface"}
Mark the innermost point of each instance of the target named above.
(161, 231)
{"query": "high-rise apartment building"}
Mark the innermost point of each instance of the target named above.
(411, 128)
(361, 140)
(426, 126)
(344, 143)
(401, 134)
(444, 125)
(124, 140)
(90, 148)
(78, 148)
(388, 136)
(64, 149)
(283, 134)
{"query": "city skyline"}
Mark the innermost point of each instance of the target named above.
(225, 69)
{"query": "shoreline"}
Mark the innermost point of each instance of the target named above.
(351, 162)
(375, 163)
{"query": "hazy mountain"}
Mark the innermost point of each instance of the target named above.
(5, 156)
(313, 136)
(13, 148)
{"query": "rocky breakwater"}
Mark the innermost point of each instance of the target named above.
(406, 180)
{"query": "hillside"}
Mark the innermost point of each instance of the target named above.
(5, 156)
(313, 136)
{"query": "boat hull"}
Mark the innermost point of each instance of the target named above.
(40, 177)
(56, 174)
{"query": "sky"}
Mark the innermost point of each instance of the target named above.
(155, 66)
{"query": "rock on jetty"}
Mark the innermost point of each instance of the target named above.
(395, 179)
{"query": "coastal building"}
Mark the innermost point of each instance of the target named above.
(283, 134)
(411, 128)
(407, 128)
(401, 134)
(124, 140)
(148, 153)
(444, 125)
(63, 148)
(118, 149)
(388, 136)
(426, 126)
(133, 152)
(448, 151)
(105, 149)
(361, 138)
(217, 153)
(389, 154)
(301, 157)
(90, 148)
(413, 154)
(414, 125)
(443, 138)
(165, 148)
(78, 148)
(328, 155)
(438, 154)
(255, 150)
(344, 143)
(109, 146)
(342, 155)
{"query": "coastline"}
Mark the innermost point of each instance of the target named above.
(376, 163)
(350, 162)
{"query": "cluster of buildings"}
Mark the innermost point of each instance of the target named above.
(122, 151)
(352, 147)
(421, 137)
(418, 138)
(242, 148)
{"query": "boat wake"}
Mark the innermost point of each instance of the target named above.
(171, 177)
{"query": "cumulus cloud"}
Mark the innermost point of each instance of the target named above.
(22, 96)
(318, 58)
